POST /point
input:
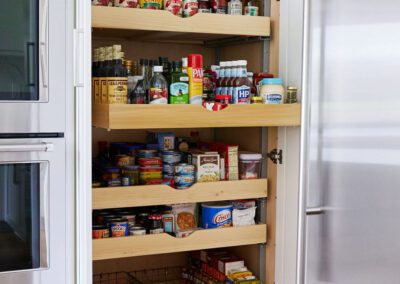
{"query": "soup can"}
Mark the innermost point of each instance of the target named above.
(216, 215)
(169, 169)
(119, 227)
(100, 232)
(184, 180)
(147, 153)
(171, 157)
(184, 169)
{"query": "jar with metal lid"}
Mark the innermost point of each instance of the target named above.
(256, 100)
(291, 95)
(155, 224)
(272, 91)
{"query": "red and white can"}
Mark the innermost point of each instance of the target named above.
(102, 2)
(174, 6)
(190, 8)
(127, 3)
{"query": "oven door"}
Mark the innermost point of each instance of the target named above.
(32, 76)
(32, 203)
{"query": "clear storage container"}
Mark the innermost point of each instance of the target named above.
(249, 165)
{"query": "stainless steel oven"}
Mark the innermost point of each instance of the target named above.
(32, 66)
(32, 210)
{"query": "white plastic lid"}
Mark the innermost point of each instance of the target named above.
(218, 205)
(157, 68)
(243, 62)
(222, 64)
(229, 63)
(249, 156)
(184, 62)
(250, 74)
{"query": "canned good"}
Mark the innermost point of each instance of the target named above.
(171, 157)
(216, 215)
(133, 173)
(184, 180)
(102, 2)
(146, 162)
(111, 176)
(100, 232)
(124, 160)
(125, 181)
(184, 169)
(119, 227)
(126, 3)
(147, 153)
(167, 178)
(137, 231)
(169, 169)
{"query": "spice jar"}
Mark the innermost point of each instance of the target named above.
(249, 165)
(272, 91)
(155, 224)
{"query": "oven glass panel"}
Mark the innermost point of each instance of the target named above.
(19, 216)
(19, 62)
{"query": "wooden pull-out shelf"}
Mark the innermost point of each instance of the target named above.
(193, 116)
(135, 196)
(145, 24)
(164, 243)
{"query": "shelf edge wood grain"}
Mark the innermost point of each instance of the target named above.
(135, 196)
(193, 116)
(163, 243)
(161, 20)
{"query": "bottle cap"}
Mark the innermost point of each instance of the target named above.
(195, 60)
(128, 62)
(222, 64)
(243, 62)
(184, 61)
(117, 47)
(157, 68)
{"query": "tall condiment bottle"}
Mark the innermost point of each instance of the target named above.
(158, 93)
(195, 72)
(117, 80)
(242, 85)
(107, 63)
(221, 76)
(95, 76)
(184, 64)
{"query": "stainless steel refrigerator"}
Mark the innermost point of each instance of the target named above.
(350, 182)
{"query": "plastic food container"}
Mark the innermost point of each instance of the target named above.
(216, 215)
(272, 91)
(249, 165)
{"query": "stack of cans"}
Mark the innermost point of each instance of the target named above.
(170, 160)
(184, 176)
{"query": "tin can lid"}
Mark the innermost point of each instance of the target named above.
(256, 99)
(249, 156)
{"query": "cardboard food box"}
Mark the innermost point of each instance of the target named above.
(207, 166)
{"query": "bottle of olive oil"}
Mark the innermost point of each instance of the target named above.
(179, 85)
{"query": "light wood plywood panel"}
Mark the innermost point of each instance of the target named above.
(134, 196)
(202, 26)
(163, 243)
(186, 116)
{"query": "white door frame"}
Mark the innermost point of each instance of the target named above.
(83, 134)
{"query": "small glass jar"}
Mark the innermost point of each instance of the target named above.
(249, 165)
(155, 224)
(272, 91)
(291, 95)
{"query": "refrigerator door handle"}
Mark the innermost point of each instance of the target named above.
(314, 211)
(37, 147)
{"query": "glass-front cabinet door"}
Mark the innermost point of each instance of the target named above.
(20, 46)
(23, 210)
